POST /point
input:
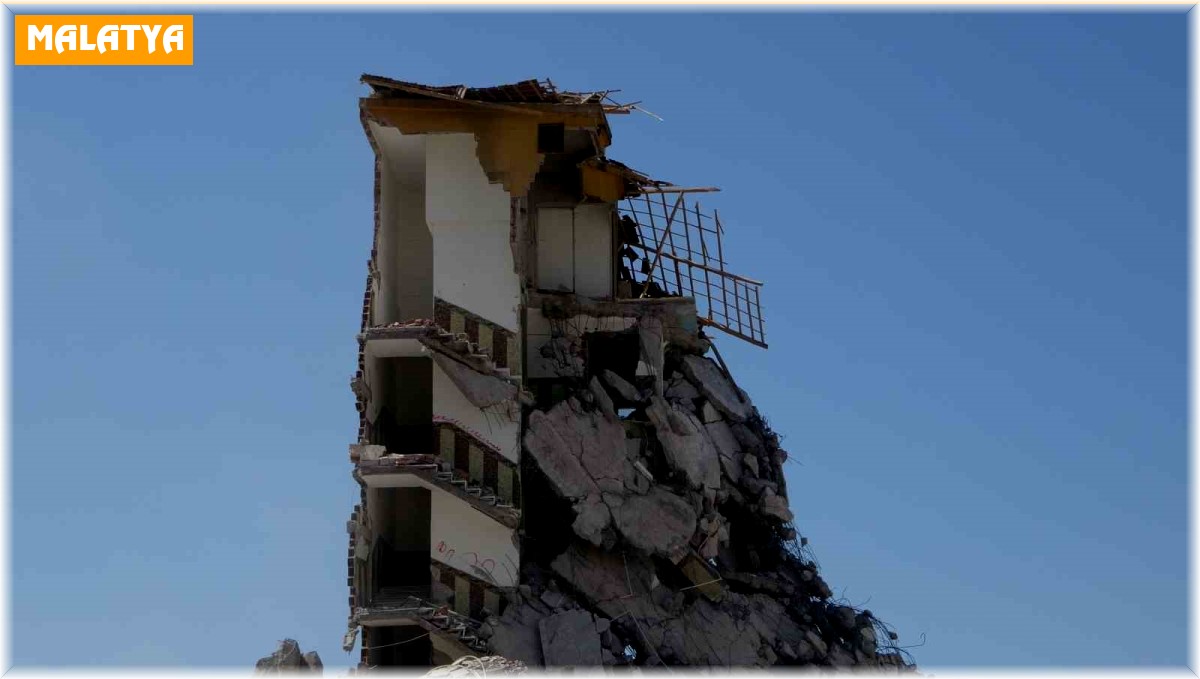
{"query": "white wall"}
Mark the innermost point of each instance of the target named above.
(593, 251)
(465, 538)
(555, 249)
(405, 257)
(502, 431)
(574, 250)
(469, 219)
(460, 536)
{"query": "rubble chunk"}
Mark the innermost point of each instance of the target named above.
(480, 389)
(842, 617)
(570, 638)
(840, 657)
(818, 644)
(625, 390)
(591, 518)
(751, 463)
(717, 388)
(776, 506)
(286, 659)
(681, 390)
(658, 522)
(515, 634)
(603, 402)
(727, 447)
(553, 599)
(686, 443)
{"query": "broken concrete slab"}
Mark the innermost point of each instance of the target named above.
(569, 639)
(549, 438)
(840, 657)
(599, 576)
(603, 401)
(842, 617)
(553, 599)
(709, 635)
(286, 659)
(658, 522)
(515, 634)
(717, 388)
(481, 390)
(686, 443)
(591, 518)
(681, 390)
(727, 447)
(651, 339)
(637, 478)
(366, 452)
(751, 463)
(624, 389)
(818, 644)
(576, 448)
(775, 506)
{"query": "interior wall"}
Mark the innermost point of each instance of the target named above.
(469, 540)
(470, 222)
(575, 249)
(405, 248)
(594, 250)
(555, 249)
(374, 375)
(494, 426)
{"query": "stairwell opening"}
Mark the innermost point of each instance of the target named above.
(400, 556)
(399, 646)
(404, 422)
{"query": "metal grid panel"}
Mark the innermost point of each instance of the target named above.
(669, 248)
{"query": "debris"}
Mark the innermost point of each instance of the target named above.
(681, 390)
(570, 638)
(625, 390)
(287, 659)
(775, 506)
(717, 388)
(658, 522)
(686, 443)
(515, 635)
(482, 390)
(473, 667)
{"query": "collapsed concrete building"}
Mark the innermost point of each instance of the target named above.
(552, 468)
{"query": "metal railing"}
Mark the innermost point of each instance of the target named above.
(668, 248)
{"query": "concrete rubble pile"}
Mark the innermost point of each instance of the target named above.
(663, 536)
(288, 659)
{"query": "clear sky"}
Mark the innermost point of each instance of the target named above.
(972, 228)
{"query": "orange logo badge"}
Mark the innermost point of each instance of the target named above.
(103, 39)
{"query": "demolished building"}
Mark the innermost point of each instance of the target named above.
(552, 468)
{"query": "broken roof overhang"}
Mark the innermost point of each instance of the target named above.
(504, 119)
(523, 92)
(608, 180)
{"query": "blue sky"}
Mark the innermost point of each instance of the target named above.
(972, 227)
